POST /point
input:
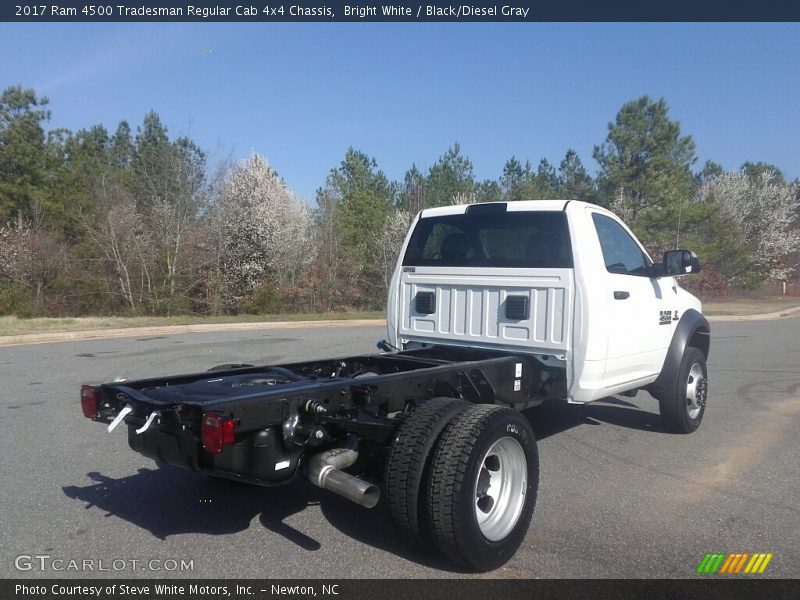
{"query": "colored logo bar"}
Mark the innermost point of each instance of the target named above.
(733, 563)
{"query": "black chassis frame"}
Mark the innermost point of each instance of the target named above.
(317, 404)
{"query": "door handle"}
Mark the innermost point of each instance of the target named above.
(618, 295)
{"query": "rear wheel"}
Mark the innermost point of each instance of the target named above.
(407, 462)
(482, 486)
(682, 403)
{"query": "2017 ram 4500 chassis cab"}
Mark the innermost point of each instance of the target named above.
(492, 308)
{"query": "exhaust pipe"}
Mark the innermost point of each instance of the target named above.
(324, 470)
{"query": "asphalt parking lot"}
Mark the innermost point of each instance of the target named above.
(618, 496)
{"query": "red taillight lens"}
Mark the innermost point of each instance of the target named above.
(217, 431)
(89, 401)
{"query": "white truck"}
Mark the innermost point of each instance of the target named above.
(492, 308)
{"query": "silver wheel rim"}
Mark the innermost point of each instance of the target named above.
(500, 488)
(696, 390)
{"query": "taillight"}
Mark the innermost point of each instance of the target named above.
(89, 402)
(216, 431)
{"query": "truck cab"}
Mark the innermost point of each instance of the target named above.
(565, 281)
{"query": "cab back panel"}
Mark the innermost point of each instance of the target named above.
(471, 307)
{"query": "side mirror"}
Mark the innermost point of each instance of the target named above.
(680, 262)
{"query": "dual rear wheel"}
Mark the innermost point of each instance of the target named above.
(465, 477)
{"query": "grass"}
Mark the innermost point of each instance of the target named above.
(16, 326)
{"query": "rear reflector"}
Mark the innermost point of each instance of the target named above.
(217, 431)
(89, 402)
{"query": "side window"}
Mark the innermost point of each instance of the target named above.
(620, 252)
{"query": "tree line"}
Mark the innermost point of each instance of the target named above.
(138, 222)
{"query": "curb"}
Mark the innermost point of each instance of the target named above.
(99, 334)
(787, 312)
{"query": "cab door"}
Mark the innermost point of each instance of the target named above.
(639, 322)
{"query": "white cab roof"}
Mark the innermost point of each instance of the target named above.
(521, 205)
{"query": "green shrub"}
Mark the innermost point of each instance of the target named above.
(16, 300)
(264, 300)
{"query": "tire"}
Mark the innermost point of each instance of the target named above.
(408, 457)
(482, 486)
(682, 402)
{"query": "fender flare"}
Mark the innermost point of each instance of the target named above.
(692, 326)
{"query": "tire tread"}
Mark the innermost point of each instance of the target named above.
(671, 397)
(449, 466)
(408, 458)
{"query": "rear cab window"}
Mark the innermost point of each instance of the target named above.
(533, 239)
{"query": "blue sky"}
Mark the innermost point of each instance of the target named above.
(300, 94)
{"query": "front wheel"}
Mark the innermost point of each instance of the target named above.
(482, 486)
(683, 404)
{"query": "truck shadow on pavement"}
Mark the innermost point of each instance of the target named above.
(553, 418)
(170, 501)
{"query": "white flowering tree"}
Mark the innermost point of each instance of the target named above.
(266, 230)
(30, 258)
(387, 242)
(764, 210)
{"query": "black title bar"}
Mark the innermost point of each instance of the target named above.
(396, 589)
(402, 11)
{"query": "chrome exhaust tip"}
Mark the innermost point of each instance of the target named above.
(325, 471)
